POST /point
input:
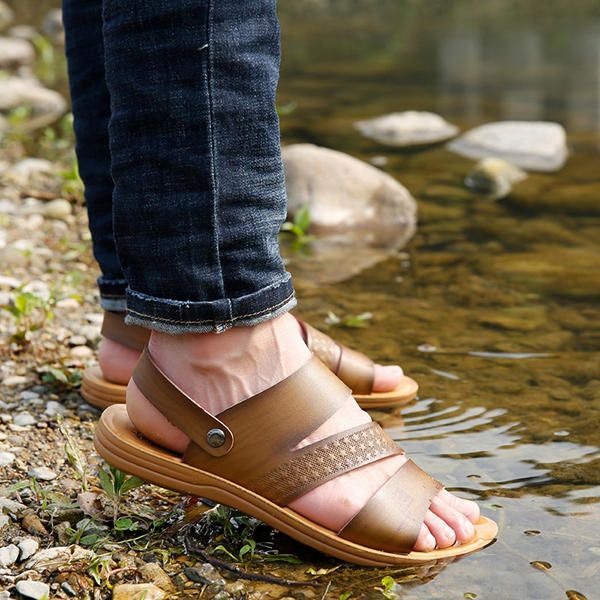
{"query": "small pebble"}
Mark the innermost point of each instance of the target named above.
(4, 520)
(6, 458)
(78, 340)
(32, 524)
(427, 348)
(28, 395)
(54, 408)
(42, 473)
(23, 419)
(81, 352)
(28, 547)
(67, 588)
(8, 555)
(33, 589)
(13, 380)
(71, 303)
(57, 209)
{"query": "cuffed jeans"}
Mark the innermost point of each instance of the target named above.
(178, 147)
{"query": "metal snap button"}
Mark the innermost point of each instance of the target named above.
(215, 438)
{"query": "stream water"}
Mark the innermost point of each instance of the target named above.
(506, 293)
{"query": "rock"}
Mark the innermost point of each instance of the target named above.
(58, 208)
(23, 32)
(35, 173)
(408, 128)
(15, 52)
(153, 573)
(4, 521)
(8, 555)
(494, 177)
(6, 15)
(31, 524)
(204, 573)
(27, 395)
(28, 547)
(38, 590)
(13, 380)
(52, 559)
(53, 25)
(24, 419)
(531, 145)
(11, 507)
(6, 458)
(343, 193)
(46, 105)
(54, 408)
(41, 473)
(81, 352)
(137, 591)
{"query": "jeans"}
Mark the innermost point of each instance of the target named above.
(178, 147)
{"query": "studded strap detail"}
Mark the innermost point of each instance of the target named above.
(317, 463)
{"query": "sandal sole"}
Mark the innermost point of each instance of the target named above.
(118, 442)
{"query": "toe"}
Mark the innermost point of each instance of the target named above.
(425, 542)
(386, 378)
(459, 523)
(444, 535)
(468, 508)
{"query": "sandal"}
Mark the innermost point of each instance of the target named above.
(354, 368)
(245, 458)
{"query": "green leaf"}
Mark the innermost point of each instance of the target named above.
(345, 595)
(106, 482)
(302, 219)
(126, 524)
(131, 483)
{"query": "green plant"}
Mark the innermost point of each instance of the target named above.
(30, 312)
(353, 321)
(75, 457)
(72, 185)
(298, 229)
(390, 588)
(115, 485)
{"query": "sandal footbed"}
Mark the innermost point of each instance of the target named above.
(118, 442)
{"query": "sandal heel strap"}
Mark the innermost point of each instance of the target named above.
(131, 336)
(206, 431)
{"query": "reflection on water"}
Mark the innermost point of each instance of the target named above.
(506, 293)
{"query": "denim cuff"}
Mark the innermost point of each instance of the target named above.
(177, 317)
(112, 293)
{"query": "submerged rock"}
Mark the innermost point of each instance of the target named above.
(531, 145)
(15, 52)
(46, 105)
(408, 128)
(494, 177)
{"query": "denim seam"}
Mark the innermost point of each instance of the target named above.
(231, 320)
(213, 152)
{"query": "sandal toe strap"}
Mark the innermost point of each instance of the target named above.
(354, 368)
(391, 519)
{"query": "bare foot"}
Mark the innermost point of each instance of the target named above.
(117, 363)
(219, 371)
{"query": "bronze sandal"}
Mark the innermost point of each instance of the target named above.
(355, 369)
(246, 457)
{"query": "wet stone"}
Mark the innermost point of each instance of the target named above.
(205, 573)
